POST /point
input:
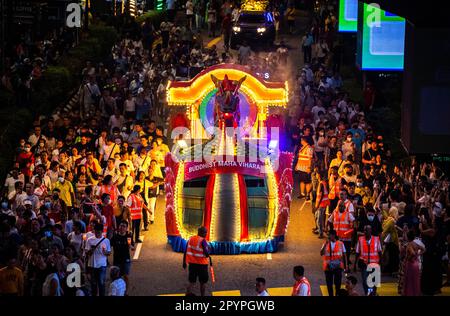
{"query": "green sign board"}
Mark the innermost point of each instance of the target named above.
(348, 16)
(381, 39)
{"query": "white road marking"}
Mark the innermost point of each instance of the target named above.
(269, 256)
(138, 248)
(303, 205)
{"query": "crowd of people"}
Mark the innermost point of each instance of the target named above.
(86, 180)
(27, 57)
(395, 215)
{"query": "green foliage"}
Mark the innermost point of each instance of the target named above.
(156, 17)
(53, 89)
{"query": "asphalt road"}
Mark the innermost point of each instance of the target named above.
(158, 270)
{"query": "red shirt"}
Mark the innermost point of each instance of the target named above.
(25, 160)
(108, 212)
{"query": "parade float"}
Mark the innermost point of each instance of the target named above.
(226, 171)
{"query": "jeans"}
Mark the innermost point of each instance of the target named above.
(320, 219)
(307, 52)
(333, 276)
(348, 247)
(98, 280)
(198, 21)
(226, 40)
(212, 29)
(136, 228)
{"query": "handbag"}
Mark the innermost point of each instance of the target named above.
(333, 264)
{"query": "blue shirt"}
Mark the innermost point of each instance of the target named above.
(69, 226)
(170, 4)
(308, 41)
(358, 136)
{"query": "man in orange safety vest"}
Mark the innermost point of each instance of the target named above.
(196, 255)
(302, 287)
(334, 262)
(303, 167)
(368, 253)
(342, 219)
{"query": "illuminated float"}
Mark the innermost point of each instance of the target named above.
(237, 184)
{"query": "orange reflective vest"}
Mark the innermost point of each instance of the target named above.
(298, 284)
(194, 251)
(341, 222)
(324, 202)
(335, 187)
(369, 253)
(305, 156)
(136, 206)
(333, 254)
(109, 189)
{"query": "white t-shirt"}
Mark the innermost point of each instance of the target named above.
(116, 122)
(10, 183)
(33, 139)
(342, 105)
(333, 244)
(129, 105)
(263, 293)
(98, 259)
(316, 109)
(76, 241)
(108, 151)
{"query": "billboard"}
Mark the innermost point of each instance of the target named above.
(348, 16)
(381, 39)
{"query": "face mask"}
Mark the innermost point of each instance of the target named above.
(55, 196)
(27, 149)
(61, 179)
(321, 133)
(359, 184)
(48, 204)
(108, 202)
(371, 217)
(4, 205)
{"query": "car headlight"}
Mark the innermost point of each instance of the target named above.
(261, 29)
(236, 28)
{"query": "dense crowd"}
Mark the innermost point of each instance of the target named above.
(357, 189)
(28, 56)
(86, 180)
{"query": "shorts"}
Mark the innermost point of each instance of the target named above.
(200, 271)
(304, 177)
